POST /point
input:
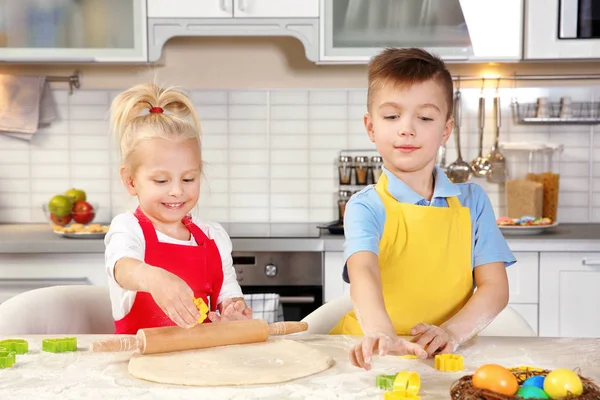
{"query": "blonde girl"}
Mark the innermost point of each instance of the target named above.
(159, 258)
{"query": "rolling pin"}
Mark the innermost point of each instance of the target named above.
(174, 338)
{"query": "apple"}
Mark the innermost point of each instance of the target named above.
(76, 195)
(83, 212)
(60, 221)
(60, 205)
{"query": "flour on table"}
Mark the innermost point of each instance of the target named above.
(249, 364)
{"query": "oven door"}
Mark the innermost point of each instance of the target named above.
(562, 29)
(296, 301)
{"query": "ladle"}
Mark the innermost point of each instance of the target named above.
(481, 165)
(459, 171)
(497, 172)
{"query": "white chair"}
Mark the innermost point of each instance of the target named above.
(71, 309)
(323, 319)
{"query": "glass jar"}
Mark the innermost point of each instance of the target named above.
(532, 184)
(343, 197)
(376, 164)
(361, 169)
(345, 170)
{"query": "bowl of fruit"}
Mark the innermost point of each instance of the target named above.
(71, 215)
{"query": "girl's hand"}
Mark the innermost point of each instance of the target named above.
(436, 339)
(360, 355)
(231, 310)
(174, 297)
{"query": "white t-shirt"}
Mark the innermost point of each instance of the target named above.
(125, 238)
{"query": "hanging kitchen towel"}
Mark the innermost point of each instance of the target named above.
(265, 306)
(26, 103)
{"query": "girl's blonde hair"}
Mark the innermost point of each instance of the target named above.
(131, 120)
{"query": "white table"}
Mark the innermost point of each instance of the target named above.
(84, 375)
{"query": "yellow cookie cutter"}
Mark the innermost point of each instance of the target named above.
(407, 383)
(400, 396)
(202, 308)
(449, 362)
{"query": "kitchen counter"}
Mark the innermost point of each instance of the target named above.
(85, 375)
(38, 238)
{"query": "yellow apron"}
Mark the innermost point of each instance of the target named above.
(424, 261)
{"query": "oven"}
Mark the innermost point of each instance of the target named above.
(297, 277)
(562, 29)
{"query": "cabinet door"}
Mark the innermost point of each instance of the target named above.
(190, 8)
(523, 278)
(276, 8)
(333, 285)
(73, 31)
(569, 295)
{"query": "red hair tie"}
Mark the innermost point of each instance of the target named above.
(154, 110)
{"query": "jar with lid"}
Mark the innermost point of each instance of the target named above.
(343, 197)
(532, 185)
(361, 169)
(345, 170)
(376, 164)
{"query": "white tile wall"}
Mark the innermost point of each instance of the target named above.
(270, 154)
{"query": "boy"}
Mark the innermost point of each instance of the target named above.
(415, 241)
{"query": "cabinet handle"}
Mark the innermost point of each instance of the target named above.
(591, 262)
(242, 5)
(297, 299)
(224, 5)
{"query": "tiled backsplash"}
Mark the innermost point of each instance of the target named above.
(270, 154)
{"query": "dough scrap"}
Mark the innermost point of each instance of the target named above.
(248, 364)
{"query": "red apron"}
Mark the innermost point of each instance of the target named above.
(199, 266)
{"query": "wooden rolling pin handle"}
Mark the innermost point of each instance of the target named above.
(117, 343)
(286, 328)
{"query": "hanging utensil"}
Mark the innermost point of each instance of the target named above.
(481, 165)
(497, 172)
(459, 171)
(442, 158)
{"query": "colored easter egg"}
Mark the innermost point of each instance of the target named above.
(537, 381)
(562, 381)
(496, 378)
(531, 392)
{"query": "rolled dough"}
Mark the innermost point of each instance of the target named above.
(248, 364)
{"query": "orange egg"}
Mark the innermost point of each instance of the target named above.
(496, 378)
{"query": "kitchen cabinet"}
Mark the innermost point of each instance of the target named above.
(333, 284)
(23, 272)
(233, 8)
(74, 31)
(569, 295)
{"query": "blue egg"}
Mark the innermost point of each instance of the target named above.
(537, 381)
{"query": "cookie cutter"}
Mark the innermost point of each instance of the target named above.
(19, 346)
(385, 382)
(400, 396)
(449, 362)
(407, 382)
(7, 358)
(59, 345)
(202, 308)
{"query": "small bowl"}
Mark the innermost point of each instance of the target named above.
(75, 218)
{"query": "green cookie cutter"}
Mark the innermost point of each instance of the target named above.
(19, 346)
(59, 345)
(385, 382)
(7, 358)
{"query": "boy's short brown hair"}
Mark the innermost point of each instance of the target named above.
(407, 66)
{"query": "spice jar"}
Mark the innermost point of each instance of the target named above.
(361, 169)
(345, 170)
(376, 164)
(343, 198)
(548, 174)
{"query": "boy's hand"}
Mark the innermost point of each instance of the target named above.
(360, 355)
(437, 340)
(174, 297)
(231, 310)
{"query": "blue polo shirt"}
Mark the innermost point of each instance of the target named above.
(364, 218)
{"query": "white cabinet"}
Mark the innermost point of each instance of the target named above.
(334, 285)
(233, 8)
(569, 295)
(523, 278)
(542, 35)
(190, 8)
(22, 272)
(276, 8)
(73, 31)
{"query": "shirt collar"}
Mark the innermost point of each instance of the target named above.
(404, 194)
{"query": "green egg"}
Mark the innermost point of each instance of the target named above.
(531, 392)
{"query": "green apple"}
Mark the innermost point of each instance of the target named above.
(76, 195)
(60, 205)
